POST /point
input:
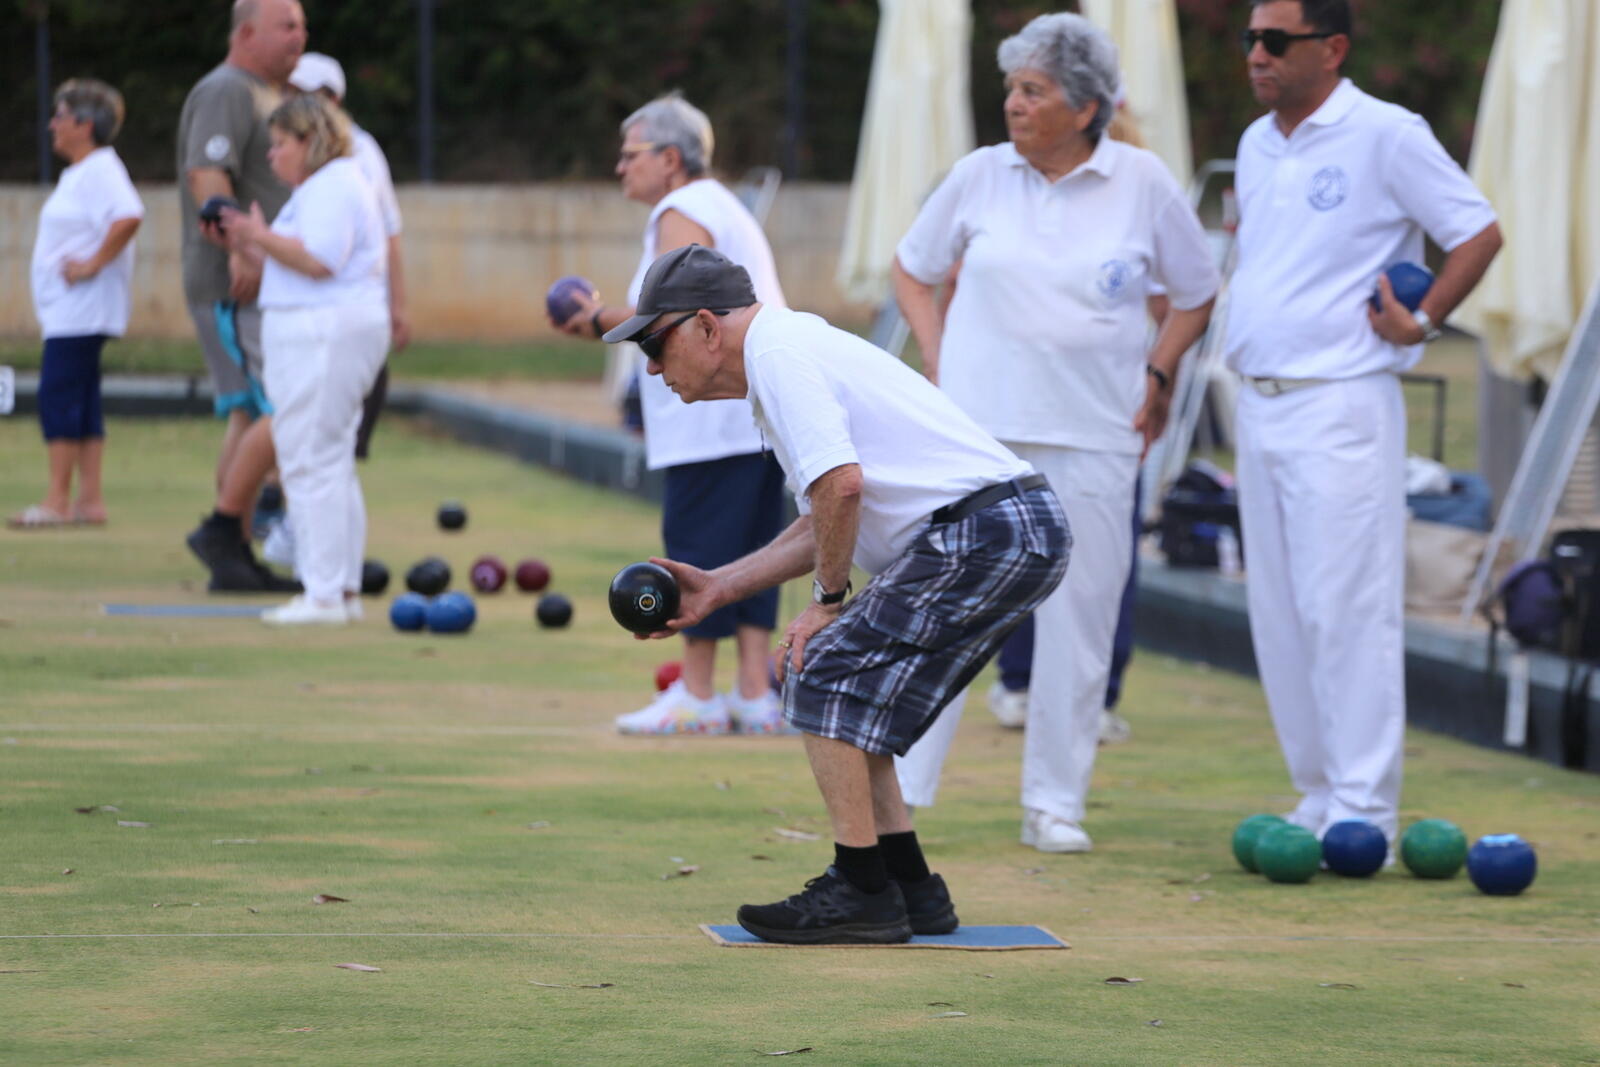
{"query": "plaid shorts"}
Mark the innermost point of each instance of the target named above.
(924, 628)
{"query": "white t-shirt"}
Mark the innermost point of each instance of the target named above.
(92, 194)
(335, 215)
(675, 432)
(1046, 338)
(375, 167)
(824, 398)
(1321, 214)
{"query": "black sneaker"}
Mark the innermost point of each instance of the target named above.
(831, 911)
(271, 580)
(233, 567)
(929, 907)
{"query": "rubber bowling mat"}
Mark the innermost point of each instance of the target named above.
(968, 938)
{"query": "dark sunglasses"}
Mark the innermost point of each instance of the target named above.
(1276, 42)
(652, 343)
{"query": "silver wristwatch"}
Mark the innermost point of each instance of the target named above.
(1430, 332)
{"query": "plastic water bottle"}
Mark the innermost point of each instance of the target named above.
(1227, 551)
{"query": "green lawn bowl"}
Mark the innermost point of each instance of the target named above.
(1246, 834)
(1288, 853)
(1434, 848)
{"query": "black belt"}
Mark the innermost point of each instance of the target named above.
(992, 494)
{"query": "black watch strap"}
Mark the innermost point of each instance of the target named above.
(594, 321)
(1159, 375)
(825, 598)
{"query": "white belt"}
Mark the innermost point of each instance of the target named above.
(1279, 386)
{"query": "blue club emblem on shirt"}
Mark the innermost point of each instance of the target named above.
(1113, 279)
(1329, 186)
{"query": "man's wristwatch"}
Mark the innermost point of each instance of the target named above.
(1430, 332)
(819, 595)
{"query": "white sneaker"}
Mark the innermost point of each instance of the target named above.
(1114, 729)
(763, 715)
(1047, 833)
(1010, 706)
(676, 711)
(278, 546)
(353, 610)
(303, 611)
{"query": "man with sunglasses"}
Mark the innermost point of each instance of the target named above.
(962, 537)
(1333, 187)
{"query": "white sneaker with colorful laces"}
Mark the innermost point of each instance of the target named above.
(677, 711)
(763, 715)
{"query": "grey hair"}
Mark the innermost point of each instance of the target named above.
(93, 102)
(1076, 54)
(672, 122)
(243, 11)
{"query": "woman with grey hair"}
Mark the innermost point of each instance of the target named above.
(81, 273)
(724, 492)
(1060, 234)
(324, 335)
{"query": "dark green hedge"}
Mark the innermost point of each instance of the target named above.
(531, 89)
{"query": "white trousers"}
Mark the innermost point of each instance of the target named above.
(1073, 631)
(1322, 499)
(319, 364)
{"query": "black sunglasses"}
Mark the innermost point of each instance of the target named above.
(652, 343)
(1276, 42)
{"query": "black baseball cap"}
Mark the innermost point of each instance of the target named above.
(686, 279)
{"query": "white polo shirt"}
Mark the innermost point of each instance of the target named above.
(91, 194)
(1046, 338)
(375, 166)
(335, 215)
(1322, 213)
(675, 432)
(824, 398)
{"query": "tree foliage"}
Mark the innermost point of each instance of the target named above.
(534, 89)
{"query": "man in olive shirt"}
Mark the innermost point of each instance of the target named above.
(222, 151)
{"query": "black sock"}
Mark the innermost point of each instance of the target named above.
(861, 867)
(902, 856)
(227, 523)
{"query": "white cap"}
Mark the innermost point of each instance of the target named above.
(317, 71)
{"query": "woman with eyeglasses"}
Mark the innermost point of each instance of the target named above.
(1060, 234)
(724, 491)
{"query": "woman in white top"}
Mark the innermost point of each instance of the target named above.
(325, 330)
(1060, 233)
(724, 492)
(81, 272)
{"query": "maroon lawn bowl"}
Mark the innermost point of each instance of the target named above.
(488, 574)
(532, 575)
(561, 299)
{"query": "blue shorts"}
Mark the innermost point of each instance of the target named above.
(878, 676)
(69, 388)
(719, 511)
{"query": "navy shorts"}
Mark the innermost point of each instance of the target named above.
(69, 388)
(719, 511)
(923, 629)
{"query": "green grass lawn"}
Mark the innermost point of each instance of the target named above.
(503, 852)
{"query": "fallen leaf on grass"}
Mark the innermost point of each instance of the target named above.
(759, 856)
(949, 1015)
(109, 807)
(1337, 985)
(723, 785)
(133, 823)
(985, 976)
(1117, 980)
(940, 1004)
(301, 1029)
(329, 898)
(86, 811)
(585, 985)
(539, 825)
(359, 967)
(1154, 1022)
(69, 870)
(681, 872)
(796, 835)
(1513, 985)
(251, 910)
(786, 1051)
(21, 972)
(1195, 898)
(236, 841)
(1034, 870)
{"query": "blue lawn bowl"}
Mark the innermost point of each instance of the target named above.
(1354, 848)
(452, 613)
(409, 612)
(561, 302)
(1410, 284)
(1502, 865)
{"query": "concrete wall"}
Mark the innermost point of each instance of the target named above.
(478, 258)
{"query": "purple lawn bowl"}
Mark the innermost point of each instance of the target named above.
(560, 300)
